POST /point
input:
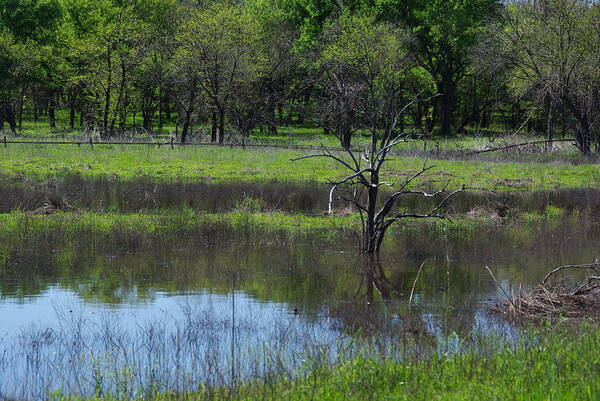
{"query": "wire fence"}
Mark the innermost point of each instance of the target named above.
(172, 144)
(433, 149)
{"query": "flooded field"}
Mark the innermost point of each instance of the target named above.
(130, 313)
(75, 192)
(133, 313)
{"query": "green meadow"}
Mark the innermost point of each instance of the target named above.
(223, 164)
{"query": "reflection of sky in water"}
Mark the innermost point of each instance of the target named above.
(164, 324)
(70, 340)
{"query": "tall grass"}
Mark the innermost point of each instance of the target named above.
(556, 367)
(184, 360)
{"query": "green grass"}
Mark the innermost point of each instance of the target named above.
(560, 368)
(293, 134)
(555, 367)
(520, 229)
(259, 165)
(167, 222)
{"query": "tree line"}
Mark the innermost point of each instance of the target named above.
(461, 66)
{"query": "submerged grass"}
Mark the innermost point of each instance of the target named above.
(176, 224)
(540, 366)
(559, 368)
(252, 227)
(238, 165)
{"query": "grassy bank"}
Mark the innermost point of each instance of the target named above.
(556, 366)
(238, 165)
(559, 368)
(182, 223)
(256, 227)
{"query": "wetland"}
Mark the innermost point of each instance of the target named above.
(129, 289)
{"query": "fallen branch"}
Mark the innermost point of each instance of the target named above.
(592, 266)
(518, 145)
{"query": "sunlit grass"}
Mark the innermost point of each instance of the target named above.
(212, 164)
(547, 365)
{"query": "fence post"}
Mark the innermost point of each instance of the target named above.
(172, 139)
(91, 144)
(5, 144)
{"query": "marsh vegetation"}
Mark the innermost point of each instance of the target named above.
(159, 242)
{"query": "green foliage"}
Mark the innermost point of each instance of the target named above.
(445, 30)
(30, 19)
(375, 52)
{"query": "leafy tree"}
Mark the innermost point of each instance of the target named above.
(31, 26)
(222, 43)
(552, 48)
(30, 19)
(10, 53)
(445, 32)
(150, 73)
(363, 64)
(260, 101)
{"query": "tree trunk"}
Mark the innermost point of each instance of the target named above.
(549, 122)
(346, 138)
(271, 112)
(21, 101)
(107, 93)
(221, 125)
(160, 109)
(186, 125)
(189, 110)
(370, 242)
(51, 111)
(213, 126)
(8, 115)
(72, 117)
(147, 120)
(448, 104)
(168, 110)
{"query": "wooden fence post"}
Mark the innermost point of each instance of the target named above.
(5, 144)
(172, 140)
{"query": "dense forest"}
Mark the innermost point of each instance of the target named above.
(438, 67)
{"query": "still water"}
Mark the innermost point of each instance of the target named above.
(135, 317)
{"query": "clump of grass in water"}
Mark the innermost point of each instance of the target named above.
(109, 230)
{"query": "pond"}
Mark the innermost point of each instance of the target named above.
(138, 314)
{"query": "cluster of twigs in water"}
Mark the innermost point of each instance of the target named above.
(555, 298)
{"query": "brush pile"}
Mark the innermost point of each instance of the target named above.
(558, 297)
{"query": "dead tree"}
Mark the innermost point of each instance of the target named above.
(364, 178)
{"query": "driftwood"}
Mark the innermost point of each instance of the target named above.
(555, 298)
(518, 145)
(588, 286)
